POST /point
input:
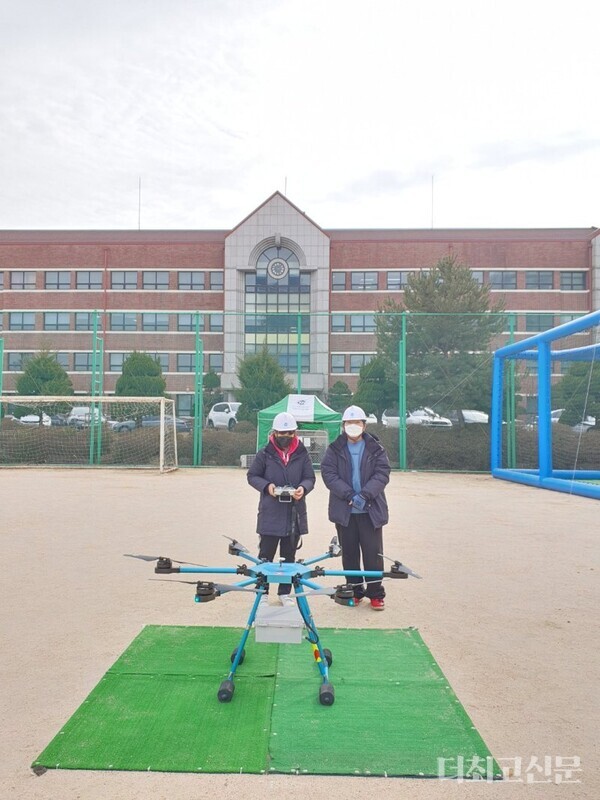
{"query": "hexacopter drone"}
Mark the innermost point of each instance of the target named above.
(259, 575)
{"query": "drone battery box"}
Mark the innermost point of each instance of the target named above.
(281, 624)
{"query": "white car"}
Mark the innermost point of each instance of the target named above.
(34, 419)
(470, 416)
(426, 417)
(371, 419)
(223, 415)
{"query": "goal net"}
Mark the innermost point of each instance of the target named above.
(76, 431)
(546, 399)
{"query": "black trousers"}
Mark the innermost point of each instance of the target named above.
(361, 538)
(287, 550)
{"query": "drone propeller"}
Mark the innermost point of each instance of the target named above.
(222, 588)
(237, 545)
(157, 558)
(401, 567)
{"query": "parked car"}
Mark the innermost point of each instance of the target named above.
(80, 416)
(223, 415)
(34, 419)
(470, 416)
(555, 415)
(128, 425)
(371, 419)
(426, 417)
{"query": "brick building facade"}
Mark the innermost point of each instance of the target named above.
(256, 284)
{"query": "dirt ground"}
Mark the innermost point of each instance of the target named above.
(508, 607)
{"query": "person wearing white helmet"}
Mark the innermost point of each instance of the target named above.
(356, 470)
(282, 519)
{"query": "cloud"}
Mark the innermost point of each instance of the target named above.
(498, 155)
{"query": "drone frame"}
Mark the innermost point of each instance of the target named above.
(261, 573)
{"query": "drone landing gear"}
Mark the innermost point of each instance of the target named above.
(226, 690)
(326, 694)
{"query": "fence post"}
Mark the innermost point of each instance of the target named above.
(198, 395)
(299, 353)
(402, 394)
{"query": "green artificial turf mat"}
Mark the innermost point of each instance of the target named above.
(394, 712)
(156, 709)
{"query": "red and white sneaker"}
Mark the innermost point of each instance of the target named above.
(357, 600)
(377, 603)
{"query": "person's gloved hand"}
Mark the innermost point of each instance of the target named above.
(358, 501)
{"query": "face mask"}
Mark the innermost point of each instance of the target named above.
(283, 442)
(353, 430)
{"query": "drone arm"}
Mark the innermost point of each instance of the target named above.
(309, 561)
(354, 573)
(249, 557)
(210, 570)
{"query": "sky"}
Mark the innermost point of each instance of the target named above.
(381, 114)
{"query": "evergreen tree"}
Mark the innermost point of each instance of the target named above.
(43, 375)
(141, 377)
(578, 392)
(262, 383)
(449, 328)
(339, 396)
(375, 391)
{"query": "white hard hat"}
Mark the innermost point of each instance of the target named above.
(354, 412)
(284, 422)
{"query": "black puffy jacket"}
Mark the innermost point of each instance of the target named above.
(275, 518)
(336, 470)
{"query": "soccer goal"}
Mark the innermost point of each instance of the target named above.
(546, 409)
(77, 431)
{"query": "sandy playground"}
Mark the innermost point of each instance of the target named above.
(508, 607)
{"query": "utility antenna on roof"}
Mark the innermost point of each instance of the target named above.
(139, 202)
(285, 187)
(432, 201)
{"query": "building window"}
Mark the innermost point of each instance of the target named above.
(503, 280)
(190, 280)
(1, 280)
(123, 322)
(572, 281)
(155, 322)
(89, 279)
(187, 322)
(185, 405)
(362, 323)
(477, 275)
(397, 280)
(57, 321)
(338, 323)
(215, 323)
(163, 360)
(186, 362)
(364, 281)
(82, 362)
(21, 321)
(84, 321)
(123, 280)
(539, 279)
(338, 362)
(156, 280)
(58, 280)
(116, 361)
(338, 281)
(534, 323)
(62, 359)
(216, 281)
(22, 280)
(358, 360)
(215, 362)
(16, 361)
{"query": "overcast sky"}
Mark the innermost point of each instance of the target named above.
(216, 104)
